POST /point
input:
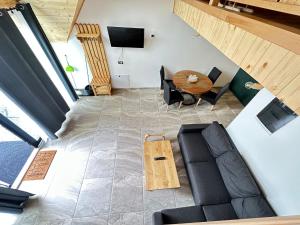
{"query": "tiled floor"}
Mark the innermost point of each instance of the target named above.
(97, 174)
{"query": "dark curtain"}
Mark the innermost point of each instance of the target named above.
(9, 125)
(40, 35)
(13, 201)
(23, 78)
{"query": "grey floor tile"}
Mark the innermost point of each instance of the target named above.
(127, 194)
(129, 162)
(109, 120)
(105, 139)
(101, 164)
(59, 207)
(159, 199)
(54, 222)
(81, 142)
(149, 105)
(131, 104)
(168, 119)
(131, 218)
(150, 120)
(129, 139)
(99, 220)
(84, 121)
(94, 198)
(131, 120)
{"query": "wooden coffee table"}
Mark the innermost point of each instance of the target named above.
(160, 168)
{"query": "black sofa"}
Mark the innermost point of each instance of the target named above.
(222, 185)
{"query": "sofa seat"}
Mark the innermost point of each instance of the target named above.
(219, 212)
(222, 185)
(181, 215)
(198, 149)
(207, 184)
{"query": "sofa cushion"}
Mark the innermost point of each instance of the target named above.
(253, 207)
(183, 215)
(236, 176)
(193, 128)
(194, 148)
(219, 212)
(207, 184)
(157, 219)
(217, 139)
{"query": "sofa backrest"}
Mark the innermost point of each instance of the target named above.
(234, 171)
(247, 198)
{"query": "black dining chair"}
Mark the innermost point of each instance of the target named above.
(163, 77)
(213, 97)
(171, 96)
(214, 74)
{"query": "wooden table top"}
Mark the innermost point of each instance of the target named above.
(203, 85)
(160, 174)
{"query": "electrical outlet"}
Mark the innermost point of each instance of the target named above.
(121, 62)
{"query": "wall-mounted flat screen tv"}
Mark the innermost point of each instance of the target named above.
(276, 115)
(125, 37)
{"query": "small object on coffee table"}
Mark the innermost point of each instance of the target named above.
(160, 158)
(160, 168)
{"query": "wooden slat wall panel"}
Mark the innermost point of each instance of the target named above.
(91, 40)
(275, 67)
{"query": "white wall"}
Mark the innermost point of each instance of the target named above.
(273, 158)
(175, 44)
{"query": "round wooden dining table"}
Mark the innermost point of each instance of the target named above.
(203, 85)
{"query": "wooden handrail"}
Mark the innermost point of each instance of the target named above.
(285, 220)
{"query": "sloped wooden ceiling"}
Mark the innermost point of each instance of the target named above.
(57, 17)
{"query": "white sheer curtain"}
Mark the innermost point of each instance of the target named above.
(11, 111)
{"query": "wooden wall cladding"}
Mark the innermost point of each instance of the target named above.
(90, 37)
(57, 17)
(286, 6)
(275, 67)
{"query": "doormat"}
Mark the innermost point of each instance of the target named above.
(40, 165)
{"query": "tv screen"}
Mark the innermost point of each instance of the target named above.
(124, 37)
(276, 115)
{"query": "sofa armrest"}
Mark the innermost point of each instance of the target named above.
(157, 219)
(192, 128)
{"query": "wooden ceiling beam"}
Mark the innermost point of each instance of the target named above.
(57, 17)
(214, 2)
(8, 4)
(75, 17)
